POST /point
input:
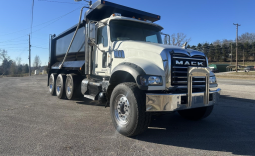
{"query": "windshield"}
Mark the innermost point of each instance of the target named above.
(128, 30)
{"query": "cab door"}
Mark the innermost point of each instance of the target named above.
(102, 58)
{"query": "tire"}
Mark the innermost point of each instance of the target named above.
(196, 113)
(127, 105)
(52, 84)
(72, 86)
(60, 86)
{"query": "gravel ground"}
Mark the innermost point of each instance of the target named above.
(32, 122)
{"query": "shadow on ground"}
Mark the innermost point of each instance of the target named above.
(226, 129)
(237, 99)
(85, 101)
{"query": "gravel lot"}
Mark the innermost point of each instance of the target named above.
(32, 122)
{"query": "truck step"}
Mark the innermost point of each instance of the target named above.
(91, 97)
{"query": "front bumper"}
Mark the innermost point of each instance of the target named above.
(173, 102)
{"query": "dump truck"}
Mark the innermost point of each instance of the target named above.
(116, 55)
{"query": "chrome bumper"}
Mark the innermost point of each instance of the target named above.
(172, 102)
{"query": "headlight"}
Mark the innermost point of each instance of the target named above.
(212, 79)
(154, 80)
(148, 80)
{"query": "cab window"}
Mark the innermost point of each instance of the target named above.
(102, 36)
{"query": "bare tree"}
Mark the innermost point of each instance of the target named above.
(179, 39)
(37, 62)
(13, 68)
(247, 37)
(217, 42)
(3, 54)
(18, 61)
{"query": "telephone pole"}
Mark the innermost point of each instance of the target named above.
(29, 57)
(236, 43)
(231, 54)
(243, 57)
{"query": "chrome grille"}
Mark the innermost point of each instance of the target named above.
(179, 72)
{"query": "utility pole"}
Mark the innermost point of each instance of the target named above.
(236, 44)
(29, 57)
(243, 57)
(231, 54)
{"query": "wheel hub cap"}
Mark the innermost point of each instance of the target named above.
(51, 83)
(122, 109)
(69, 86)
(58, 86)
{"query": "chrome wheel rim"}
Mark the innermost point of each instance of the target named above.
(122, 109)
(69, 86)
(51, 82)
(58, 86)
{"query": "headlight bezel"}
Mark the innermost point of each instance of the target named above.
(144, 80)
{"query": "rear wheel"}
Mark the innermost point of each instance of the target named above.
(72, 87)
(52, 84)
(196, 113)
(128, 113)
(60, 86)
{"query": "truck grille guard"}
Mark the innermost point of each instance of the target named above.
(198, 71)
(180, 101)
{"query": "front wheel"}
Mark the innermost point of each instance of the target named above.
(196, 113)
(128, 113)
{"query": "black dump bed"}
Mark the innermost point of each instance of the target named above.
(102, 9)
(59, 46)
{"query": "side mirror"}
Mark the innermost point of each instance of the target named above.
(166, 38)
(92, 42)
(92, 31)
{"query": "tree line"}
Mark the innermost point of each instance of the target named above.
(14, 67)
(223, 50)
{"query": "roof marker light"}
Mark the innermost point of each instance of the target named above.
(115, 14)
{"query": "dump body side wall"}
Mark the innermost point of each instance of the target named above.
(59, 46)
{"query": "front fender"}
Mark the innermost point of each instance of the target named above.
(138, 66)
(133, 70)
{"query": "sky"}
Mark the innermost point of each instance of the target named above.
(201, 20)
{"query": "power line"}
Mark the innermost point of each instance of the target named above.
(12, 47)
(54, 20)
(22, 51)
(39, 47)
(14, 44)
(17, 41)
(13, 39)
(42, 23)
(58, 2)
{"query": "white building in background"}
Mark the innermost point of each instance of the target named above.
(37, 72)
